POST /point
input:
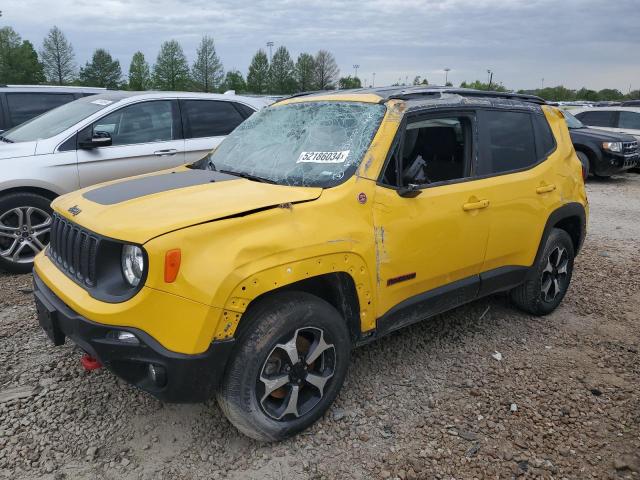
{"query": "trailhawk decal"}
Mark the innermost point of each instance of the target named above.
(323, 157)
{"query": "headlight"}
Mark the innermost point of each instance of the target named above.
(132, 264)
(615, 147)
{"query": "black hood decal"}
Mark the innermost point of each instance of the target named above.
(140, 187)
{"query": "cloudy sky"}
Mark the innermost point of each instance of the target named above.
(592, 43)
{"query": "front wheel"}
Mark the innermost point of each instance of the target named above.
(25, 224)
(585, 163)
(549, 279)
(288, 367)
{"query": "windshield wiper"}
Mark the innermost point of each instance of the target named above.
(5, 139)
(248, 176)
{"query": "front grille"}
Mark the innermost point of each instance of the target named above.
(630, 148)
(73, 249)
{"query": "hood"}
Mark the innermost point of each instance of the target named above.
(141, 208)
(16, 150)
(600, 135)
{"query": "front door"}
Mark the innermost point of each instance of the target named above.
(431, 224)
(146, 137)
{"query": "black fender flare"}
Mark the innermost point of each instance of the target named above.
(568, 210)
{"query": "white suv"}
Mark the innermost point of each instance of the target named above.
(99, 138)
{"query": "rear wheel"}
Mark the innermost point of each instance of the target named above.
(25, 224)
(288, 367)
(549, 279)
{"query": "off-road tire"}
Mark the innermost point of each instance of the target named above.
(18, 200)
(529, 296)
(271, 321)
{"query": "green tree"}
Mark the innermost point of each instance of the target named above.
(416, 80)
(326, 73)
(234, 81)
(18, 59)
(349, 82)
(478, 85)
(558, 93)
(58, 58)
(610, 94)
(171, 71)
(282, 72)
(207, 72)
(102, 71)
(633, 95)
(587, 94)
(258, 75)
(305, 72)
(139, 73)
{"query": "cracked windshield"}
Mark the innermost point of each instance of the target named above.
(314, 144)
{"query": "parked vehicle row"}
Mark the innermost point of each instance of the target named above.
(19, 103)
(98, 138)
(322, 222)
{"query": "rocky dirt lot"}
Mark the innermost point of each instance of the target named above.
(431, 401)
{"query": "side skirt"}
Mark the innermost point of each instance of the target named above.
(445, 298)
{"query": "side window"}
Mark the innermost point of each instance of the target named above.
(507, 142)
(25, 106)
(244, 110)
(143, 122)
(630, 120)
(433, 150)
(209, 118)
(545, 141)
(599, 118)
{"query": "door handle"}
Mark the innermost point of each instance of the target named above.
(480, 204)
(165, 153)
(545, 189)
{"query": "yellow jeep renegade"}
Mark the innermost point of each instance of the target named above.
(323, 222)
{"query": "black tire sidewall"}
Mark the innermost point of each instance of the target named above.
(21, 199)
(274, 321)
(556, 238)
(584, 159)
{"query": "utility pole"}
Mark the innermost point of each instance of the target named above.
(446, 75)
(490, 74)
(373, 82)
(270, 45)
(356, 67)
(542, 84)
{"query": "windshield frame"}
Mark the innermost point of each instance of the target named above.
(569, 118)
(210, 162)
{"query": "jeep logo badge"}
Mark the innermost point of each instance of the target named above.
(75, 210)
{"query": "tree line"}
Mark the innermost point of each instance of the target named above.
(55, 64)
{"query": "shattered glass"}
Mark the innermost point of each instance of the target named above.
(315, 144)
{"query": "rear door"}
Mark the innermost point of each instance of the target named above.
(206, 123)
(519, 184)
(146, 137)
(629, 122)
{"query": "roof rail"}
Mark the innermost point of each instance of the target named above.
(413, 93)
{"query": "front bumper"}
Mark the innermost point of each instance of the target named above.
(186, 379)
(613, 163)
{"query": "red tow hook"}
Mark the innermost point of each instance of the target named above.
(89, 363)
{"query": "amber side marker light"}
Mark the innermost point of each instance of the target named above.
(172, 265)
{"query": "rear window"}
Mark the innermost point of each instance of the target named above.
(507, 142)
(601, 118)
(25, 106)
(209, 118)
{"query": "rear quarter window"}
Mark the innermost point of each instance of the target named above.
(545, 141)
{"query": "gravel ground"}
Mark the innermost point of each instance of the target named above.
(431, 401)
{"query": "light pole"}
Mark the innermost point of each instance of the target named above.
(542, 84)
(356, 67)
(490, 75)
(270, 45)
(446, 76)
(373, 82)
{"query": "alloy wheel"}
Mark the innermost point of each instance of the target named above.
(24, 232)
(554, 275)
(293, 378)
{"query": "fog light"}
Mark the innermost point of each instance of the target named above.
(127, 337)
(158, 375)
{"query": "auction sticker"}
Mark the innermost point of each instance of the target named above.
(323, 157)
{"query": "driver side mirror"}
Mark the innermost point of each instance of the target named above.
(99, 139)
(410, 190)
